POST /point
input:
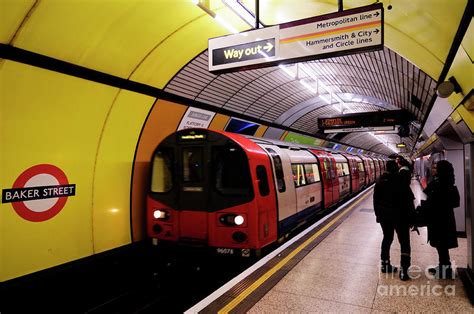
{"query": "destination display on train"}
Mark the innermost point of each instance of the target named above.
(341, 33)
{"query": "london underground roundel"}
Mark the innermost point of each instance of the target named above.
(39, 193)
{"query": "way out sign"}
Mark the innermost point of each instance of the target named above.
(336, 34)
(39, 193)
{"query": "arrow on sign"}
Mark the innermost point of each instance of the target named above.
(268, 47)
(376, 31)
(376, 14)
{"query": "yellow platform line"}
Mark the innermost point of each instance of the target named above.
(231, 305)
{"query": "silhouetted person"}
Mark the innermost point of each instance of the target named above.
(394, 209)
(442, 198)
(404, 168)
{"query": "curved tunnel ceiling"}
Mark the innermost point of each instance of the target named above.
(150, 42)
(380, 80)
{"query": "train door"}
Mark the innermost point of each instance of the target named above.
(377, 167)
(367, 170)
(354, 173)
(327, 177)
(193, 196)
(343, 175)
(285, 188)
(372, 170)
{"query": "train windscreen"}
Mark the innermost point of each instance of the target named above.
(231, 171)
(161, 179)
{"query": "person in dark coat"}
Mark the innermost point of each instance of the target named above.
(394, 210)
(442, 198)
(404, 169)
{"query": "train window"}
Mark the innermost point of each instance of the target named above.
(316, 172)
(192, 164)
(278, 170)
(161, 178)
(327, 166)
(298, 174)
(361, 166)
(340, 171)
(311, 173)
(262, 181)
(345, 168)
(230, 170)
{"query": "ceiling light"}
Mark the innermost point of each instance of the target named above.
(221, 21)
(287, 71)
(308, 87)
(241, 10)
(225, 24)
(325, 99)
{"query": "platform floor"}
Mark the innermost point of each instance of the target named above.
(341, 274)
(335, 267)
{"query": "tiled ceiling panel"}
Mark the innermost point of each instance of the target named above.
(268, 93)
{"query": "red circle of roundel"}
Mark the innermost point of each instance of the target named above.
(27, 213)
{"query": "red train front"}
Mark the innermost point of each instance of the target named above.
(213, 190)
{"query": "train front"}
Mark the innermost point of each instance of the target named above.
(201, 194)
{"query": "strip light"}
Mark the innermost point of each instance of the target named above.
(386, 144)
(241, 10)
(214, 15)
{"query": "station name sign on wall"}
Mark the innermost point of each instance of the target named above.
(325, 36)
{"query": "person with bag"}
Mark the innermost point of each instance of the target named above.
(442, 198)
(394, 210)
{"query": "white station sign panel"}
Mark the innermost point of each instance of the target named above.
(323, 35)
(335, 34)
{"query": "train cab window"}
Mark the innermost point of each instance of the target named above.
(262, 181)
(311, 173)
(230, 171)
(161, 178)
(192, 164)
(278, 170)
(298, 174)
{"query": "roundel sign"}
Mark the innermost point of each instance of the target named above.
(39, 193)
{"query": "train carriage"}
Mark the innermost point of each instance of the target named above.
(237, 194)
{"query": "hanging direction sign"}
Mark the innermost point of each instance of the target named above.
(325, 36)
(346, 32)
(243, 49)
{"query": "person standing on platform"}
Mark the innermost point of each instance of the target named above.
(404, 168)
(394, 210)
(442, 198)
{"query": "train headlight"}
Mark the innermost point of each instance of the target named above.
(238, 220)
(232, 219)
(160, 214)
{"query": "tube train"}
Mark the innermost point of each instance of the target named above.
(237, 194)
